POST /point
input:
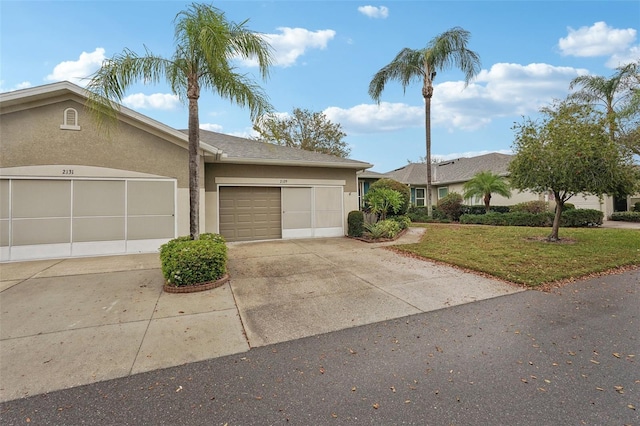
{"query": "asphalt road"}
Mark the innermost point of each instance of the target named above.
(570, 357)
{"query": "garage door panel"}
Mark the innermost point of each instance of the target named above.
(41, 231)
(98, 198)
(150, 198)
(41, 198)
(4, 199)
(150, 227)
(249, 213)
(4, 232)
(98, 229)
(328, 219)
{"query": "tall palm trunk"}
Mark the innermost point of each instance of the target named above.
(193, 93)
(427, 93)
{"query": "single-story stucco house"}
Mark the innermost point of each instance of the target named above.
(450, 176)
(68, 189)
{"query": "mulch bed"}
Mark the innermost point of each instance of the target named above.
(196, 287)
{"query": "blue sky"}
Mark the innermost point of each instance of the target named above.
(327, 52)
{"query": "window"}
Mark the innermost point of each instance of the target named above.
(70, 120)
(442, 192)
(420, 197)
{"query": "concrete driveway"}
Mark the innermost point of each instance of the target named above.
(70, 322)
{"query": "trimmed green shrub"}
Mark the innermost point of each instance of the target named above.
(636, 207)
(383, 229)
(355, 223)
(573, 218)
(530, 207)
(568, 206)
(419, 214)
(577, 218)
(189, 262)
(482, 210)
(404, 221)
(403, 189)
(626, 216)
(451, 206)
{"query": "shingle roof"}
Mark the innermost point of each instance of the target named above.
(247, 151)
(458, 170)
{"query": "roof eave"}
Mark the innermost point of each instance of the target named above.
(298, 163)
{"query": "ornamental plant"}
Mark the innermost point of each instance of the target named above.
(190, 262)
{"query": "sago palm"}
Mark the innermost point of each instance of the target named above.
(205, 46)
(446, 50)
(484, 184)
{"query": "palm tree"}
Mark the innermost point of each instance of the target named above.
(442, 52)
(205, 45)
(484, 184)
(618, 94)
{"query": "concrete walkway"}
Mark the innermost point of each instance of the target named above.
(70, 322)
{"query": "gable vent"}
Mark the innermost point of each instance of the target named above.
(70, 120)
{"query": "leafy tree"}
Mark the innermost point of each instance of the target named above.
(484, 184)
(311, 131)
(442, 52)
(619, 94)
(383, 200)
(403, 189)
(205, 46)
(569, 152)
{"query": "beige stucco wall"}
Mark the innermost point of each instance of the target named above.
(216, 170)
(33, 136)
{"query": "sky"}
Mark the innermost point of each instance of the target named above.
(326, 53)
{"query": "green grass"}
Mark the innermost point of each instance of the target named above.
(518, 254)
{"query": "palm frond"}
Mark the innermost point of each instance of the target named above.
(108, 85)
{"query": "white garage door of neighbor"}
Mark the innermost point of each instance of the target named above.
(48, 218)
(249, 213)
(312, 212)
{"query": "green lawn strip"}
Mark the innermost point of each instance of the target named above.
(518, 254)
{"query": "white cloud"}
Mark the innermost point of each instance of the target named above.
(163, 101)
(23, 85)
(596, 40)
(374, 12)
(617, 60)
(292, 43)
(370, 118)
(505, 90)
(211, 127)
(77, 71)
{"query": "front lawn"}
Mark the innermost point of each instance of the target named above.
(520, 254)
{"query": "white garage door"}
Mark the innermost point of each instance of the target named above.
(46, 218)
(250, 213)
(312, 212)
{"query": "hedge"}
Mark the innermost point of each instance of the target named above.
(189, 262)
(573, 218)
(355, 223)
(626, 216)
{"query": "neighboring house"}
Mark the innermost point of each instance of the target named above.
(67, 189)
(450, 176)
